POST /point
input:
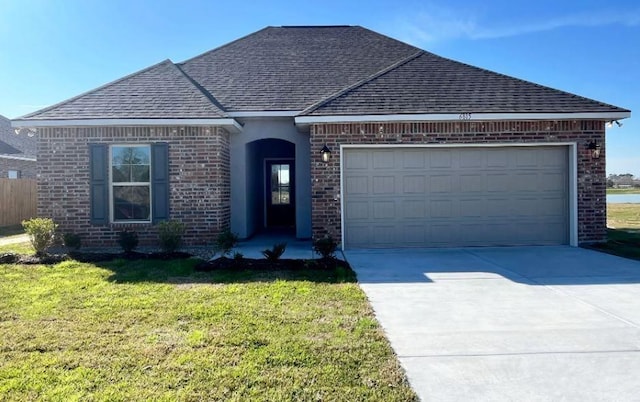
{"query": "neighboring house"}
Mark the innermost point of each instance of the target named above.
(17, 152)
(626, 180)
(425, 151)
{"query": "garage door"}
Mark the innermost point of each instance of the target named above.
(443, 197)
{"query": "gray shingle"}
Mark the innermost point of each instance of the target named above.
(290, 68)
(160, 91)
(335, 70)
(432, 84)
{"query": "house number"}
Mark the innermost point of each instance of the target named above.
(465, 116)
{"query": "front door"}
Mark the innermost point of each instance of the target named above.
(280, 200)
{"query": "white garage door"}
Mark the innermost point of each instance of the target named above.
(442, 197)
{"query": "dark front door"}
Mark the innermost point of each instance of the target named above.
(281, 210)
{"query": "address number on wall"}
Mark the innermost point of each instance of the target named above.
(465, 116)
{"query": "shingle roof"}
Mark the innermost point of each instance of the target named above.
(337, 70)
(15, 145)
(432, 84)
(160, 91)
(290, 68)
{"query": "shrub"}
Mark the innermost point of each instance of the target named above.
(238, 256)
(72, 240)
(326, 247)
(128, 240)
(41, 232)
(226, 241)
(170, 234)
(275, 253)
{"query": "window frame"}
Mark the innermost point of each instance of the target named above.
(17, 174)
(129, 184)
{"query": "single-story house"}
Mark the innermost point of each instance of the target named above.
(17, 152)
(327, 130)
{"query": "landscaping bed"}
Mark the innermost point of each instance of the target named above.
(82, 256)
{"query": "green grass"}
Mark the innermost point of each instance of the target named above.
(623, 234)
(623, 191)
(18, 248)
(621, 243)
(151, 330)
(623, 216)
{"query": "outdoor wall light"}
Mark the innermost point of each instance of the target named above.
(326, 153)
(594, 147)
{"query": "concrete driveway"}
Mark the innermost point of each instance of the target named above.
(509, 324)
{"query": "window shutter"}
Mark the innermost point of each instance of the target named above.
(99, 182)
(160, 181)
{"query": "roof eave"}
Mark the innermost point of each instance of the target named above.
(18, 158)
(230, 124)
(304, 120)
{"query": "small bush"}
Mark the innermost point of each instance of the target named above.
(275, 253)
(326, 247)
(226, 241)
(170, 235)
(72, 240)
(128, 240)
(238, 256)
(41, 232)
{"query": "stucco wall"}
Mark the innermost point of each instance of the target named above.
(245, 198)
(591, 173)
(198, 178)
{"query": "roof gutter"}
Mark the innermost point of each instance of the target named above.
(17, 158)
(230, 124)
(375, 118)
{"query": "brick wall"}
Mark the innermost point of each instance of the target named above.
(198, 171)
(591, 183)
(27, 168)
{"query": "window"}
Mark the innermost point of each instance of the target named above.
(129, 183)
(13, 174)
(130, 167)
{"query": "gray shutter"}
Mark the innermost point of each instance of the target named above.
(160, 181)
(99, 182)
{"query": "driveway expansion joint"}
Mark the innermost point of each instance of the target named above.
(567, 352)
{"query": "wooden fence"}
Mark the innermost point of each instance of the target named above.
(18, 200)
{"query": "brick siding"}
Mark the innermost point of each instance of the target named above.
(591, 183)
(27, 168)
(198, 178)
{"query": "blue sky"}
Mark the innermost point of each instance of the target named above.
(53, 50)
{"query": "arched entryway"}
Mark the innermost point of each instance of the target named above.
(271, 184)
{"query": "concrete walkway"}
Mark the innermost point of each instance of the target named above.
(14, 239)
(296, 249)
(509, 324)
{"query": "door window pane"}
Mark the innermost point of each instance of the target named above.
(280, 184)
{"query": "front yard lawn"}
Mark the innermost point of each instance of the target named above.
(623, 216)
(622, 243)
(157, 330)
(633, 190)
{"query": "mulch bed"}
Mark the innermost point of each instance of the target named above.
(47, 259)
(224, 263)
